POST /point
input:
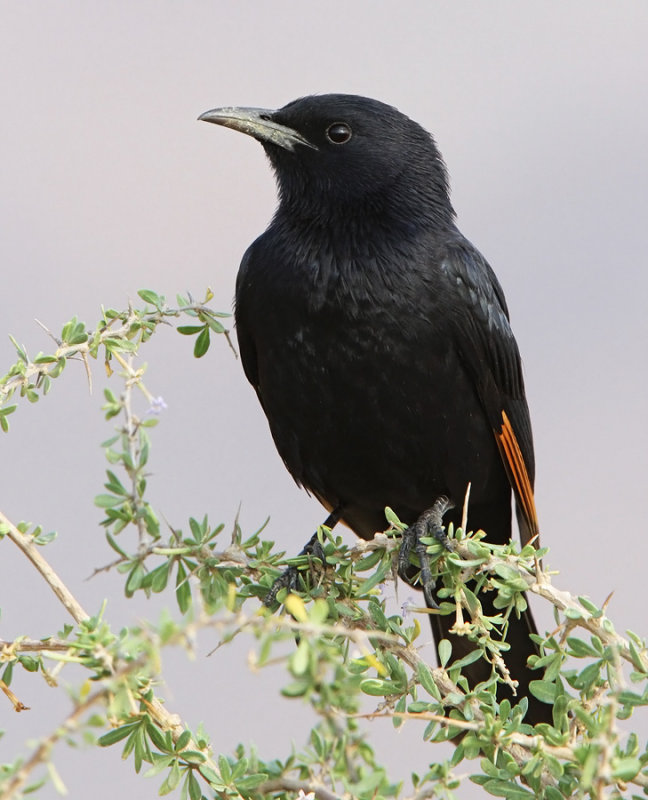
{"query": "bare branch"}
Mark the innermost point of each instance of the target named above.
(32, 552)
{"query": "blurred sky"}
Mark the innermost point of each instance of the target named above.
(108, 184)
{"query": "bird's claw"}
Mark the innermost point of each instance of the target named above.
(289, 578)
(430, 523)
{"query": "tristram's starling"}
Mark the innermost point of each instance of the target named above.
(378, 340)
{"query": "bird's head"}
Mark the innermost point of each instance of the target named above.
(345, 151)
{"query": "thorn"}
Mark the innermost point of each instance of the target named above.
(86, 364)
(464, 513)
(49, 333)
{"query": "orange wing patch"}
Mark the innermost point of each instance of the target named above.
(518, 476)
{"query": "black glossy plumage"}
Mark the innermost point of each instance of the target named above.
(375, 335)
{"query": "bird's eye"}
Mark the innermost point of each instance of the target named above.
(338, 133)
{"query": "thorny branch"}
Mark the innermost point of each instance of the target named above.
(41, 753)
(162, 718)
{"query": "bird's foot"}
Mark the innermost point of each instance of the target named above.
(430, 523)
(289, 578)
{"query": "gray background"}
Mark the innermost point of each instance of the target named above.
(108, 184)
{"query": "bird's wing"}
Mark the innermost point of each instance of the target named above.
(247, 348)
(490, 354)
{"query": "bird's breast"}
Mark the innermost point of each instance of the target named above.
(359, 373)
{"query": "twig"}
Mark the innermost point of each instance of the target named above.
(41, 753)
(34, 645)
(16, 703)
(32, 552)
(162, 718)
(33, 372)
(291, 785)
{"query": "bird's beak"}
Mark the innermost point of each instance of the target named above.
(256, 122)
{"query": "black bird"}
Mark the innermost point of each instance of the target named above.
(377, 337)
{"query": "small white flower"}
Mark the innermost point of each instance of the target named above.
(407, 607)
(157, 406)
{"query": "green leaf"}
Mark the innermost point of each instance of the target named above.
(45, 538)
(196, 529)
(589, 676)
(369, 561)
(378, 688)
(134, 580)
(367, 785)
(445, 651)
(8, 674)
(392, 518)
(193, 787)
(29, 663)
(377, 613)
(544, 691)
(508, 789)
(151, 297)
(160, 764)
(108, 500)
(114, 485)
(296, 689)
(58, 369)
(424, 675)
(22, 354)
(595, 611)
(183, 589)
(202, 343)
(417, 707)
(212, 776)
(157, 737)
(489, 769)
(319, 612)
(625, 769)
(190, 330)
(193, 757)
(637, 661)
(115, 546)
(119, 345)
(372, 581)
(172, 780)
(79, 337)
(632, 699)
(214, 324)
(581, 649)
(225, 769)
(300, 658)
(469, 658)
(115, 735)
(250, 782)
(507, 572)
(160, 577)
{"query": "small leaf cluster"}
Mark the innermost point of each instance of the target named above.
(185, 767)
(208, 324)
(118, 333)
